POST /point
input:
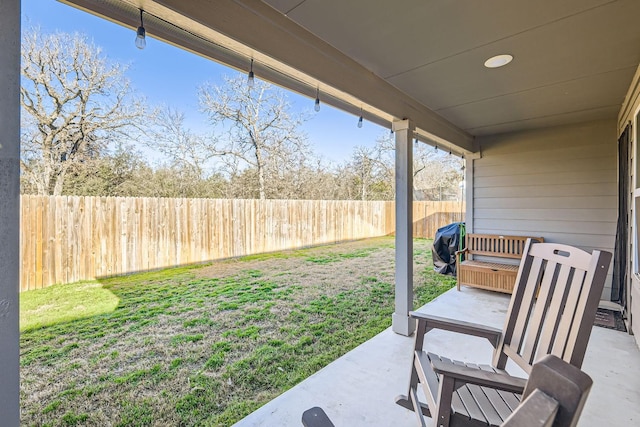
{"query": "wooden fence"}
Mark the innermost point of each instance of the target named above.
(66, 239)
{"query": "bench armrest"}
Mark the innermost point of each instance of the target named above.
(466, 375)
(459, 326)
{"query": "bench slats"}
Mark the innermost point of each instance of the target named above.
(495, 245)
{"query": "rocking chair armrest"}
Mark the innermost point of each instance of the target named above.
(459, 326)
(466, 375)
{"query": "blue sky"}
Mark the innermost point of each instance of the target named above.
(166, 75)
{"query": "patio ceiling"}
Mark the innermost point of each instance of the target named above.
(421, 59)
(573, 60)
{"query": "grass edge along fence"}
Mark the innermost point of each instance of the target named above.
(65, 239)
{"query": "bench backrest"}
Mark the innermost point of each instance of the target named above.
(494, 245)
(553, 305)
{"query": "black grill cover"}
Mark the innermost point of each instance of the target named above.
(445, 245)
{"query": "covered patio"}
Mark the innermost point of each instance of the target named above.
(539, 137)
(359, 388)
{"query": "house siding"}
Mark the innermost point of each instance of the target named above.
(559, 183)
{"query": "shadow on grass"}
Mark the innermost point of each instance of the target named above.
(64, 303)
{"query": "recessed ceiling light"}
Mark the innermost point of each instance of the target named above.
(498, 61)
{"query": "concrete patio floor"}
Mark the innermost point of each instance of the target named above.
(359, 388)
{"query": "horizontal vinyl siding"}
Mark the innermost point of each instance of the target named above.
(559, 183)
(524, 178)
(591, 228)
(537, 191)
(600, 215)
(565, 202)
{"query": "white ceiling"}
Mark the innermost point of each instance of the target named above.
(573, 59)
(419, 59)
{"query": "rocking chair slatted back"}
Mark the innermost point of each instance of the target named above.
(553, 304)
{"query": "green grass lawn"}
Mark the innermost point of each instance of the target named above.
(204, 345)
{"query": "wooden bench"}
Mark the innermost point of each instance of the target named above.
(490, 273)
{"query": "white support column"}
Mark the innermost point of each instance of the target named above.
(470, 159)
(468, 182)
(401, 322)
(9, 212)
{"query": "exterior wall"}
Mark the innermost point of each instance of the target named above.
(628, 114)
(559, 183)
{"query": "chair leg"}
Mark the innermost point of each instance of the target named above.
(458, 262)
(446, 389)
(416, 404)
(407, 401)
(410, 400)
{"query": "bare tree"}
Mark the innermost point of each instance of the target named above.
(108, 175)
(370, 171)
(366, 171)
(75, 102)
(436, 174)
(183, 148)
(262, 132)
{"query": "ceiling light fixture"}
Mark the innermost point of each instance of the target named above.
(317, 106)
(360, 119)
(140, 35)
(498, 61)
